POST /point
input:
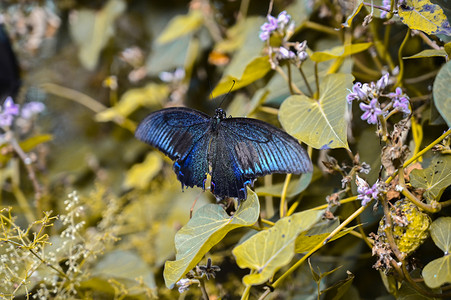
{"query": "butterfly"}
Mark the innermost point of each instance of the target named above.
(233, 151)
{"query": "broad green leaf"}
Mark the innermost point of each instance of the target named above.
(141, 174)
(294, 188)
(208, 227)
(124, 264)
(434, 179)
(180, 26)
(442, 92)
(425, 16)
(441, 233)
(150, 95)
(247, 65)
(306, 241)
(357, 7)
(339, 51)
(269, 250)
(276, 91)
(437, 272)
(448, 48)
(319, 123)
(91, 30)
(428, 53)
(255, 70)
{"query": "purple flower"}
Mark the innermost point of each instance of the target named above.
(371, 111)
(9, 107)
(268, 27)
(382, 82)
(366, 193)
(283, 19)
(357, 93)
(284, 53)
(386, 4)
(273, 24)
(32, 108)
(7, 112)
(400, 101)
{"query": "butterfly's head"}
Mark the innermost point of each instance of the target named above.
(220, 114)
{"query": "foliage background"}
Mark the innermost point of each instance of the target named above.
(99, 218)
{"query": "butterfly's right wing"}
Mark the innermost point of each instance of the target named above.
(180, 133)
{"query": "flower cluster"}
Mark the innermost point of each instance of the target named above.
(366, 193)
(9, 111)
(281, 24)
(369, 95)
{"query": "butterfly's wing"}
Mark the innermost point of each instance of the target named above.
(180, 133)
(252, 148)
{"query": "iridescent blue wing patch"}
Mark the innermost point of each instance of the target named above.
(174, 131)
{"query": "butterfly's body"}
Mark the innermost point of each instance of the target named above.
(234, 151)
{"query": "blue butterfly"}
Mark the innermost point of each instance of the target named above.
(234, 151)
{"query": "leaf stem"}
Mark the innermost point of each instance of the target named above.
(401, 61)
(283, 204)
(307, 84)
(317, 82)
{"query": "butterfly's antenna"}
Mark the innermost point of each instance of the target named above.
(225, 96)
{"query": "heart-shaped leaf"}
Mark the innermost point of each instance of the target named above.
(319, 123)
(207, 227)
(433, 179)
(437, 272)
(269, 250)
(442, 93)
(441, 233)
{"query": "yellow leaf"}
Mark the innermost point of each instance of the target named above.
(425, 16)
(181, 25)
(269, 250)
(141, 174)
(151, 94)
(91, 30)
(339, 51)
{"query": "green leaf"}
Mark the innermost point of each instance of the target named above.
(127, 266)
(442, 92)
(339, 51)
(425, 16)
(30, 143)
(434, 179)
(437, 272)
(319, 123)
(151, 95)
(448, 48)
(180, 26)
(247, 65)
(428, 53)
(294, 188)
(141, 174)
(269, 250)
(306, 241)
(91, 30)
(357, 7)
(208, 227)
(255, 70)
(441, 233)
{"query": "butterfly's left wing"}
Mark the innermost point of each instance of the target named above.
(182, 134)
(252, 148)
